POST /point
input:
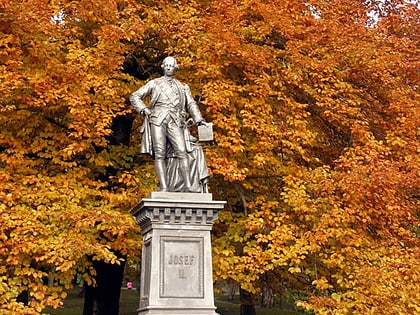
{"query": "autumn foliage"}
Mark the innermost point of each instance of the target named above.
(316, 112)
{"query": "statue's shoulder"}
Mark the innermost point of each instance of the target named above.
(182, 84)
(156, 84)
(153, 81)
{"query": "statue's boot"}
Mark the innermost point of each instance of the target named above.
(185, 173)
(160, 167)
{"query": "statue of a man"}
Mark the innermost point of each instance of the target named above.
(165, 123)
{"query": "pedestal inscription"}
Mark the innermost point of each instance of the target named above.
(181, 267)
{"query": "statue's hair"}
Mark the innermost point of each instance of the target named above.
(170, 58)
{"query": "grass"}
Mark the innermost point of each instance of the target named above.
(73, 305)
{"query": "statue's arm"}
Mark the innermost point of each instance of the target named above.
(136, 99)
(192, 106)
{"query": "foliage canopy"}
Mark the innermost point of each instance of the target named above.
(316, 110)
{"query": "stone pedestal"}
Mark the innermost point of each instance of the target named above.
(176, 273)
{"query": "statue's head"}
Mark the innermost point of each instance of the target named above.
(169, 66)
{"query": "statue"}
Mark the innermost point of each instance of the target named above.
(179, 159)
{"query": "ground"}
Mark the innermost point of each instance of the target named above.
(73, 305)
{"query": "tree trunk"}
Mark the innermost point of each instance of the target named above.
(267, 296)
(247, 303)
(232, 290)
(104, 299)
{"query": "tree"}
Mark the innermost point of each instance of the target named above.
(315, 107)
(62, 87)
(317, 91)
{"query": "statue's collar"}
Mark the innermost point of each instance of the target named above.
(170, 80)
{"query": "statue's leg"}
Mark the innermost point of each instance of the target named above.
(176, 137)
(185, 173)
(160, 167)
(159, 147)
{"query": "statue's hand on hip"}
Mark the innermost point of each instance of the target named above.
(146, 112)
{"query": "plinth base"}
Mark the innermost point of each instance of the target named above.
(176, 273)
(177, 311)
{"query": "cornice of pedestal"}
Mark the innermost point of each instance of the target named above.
(177, 209)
